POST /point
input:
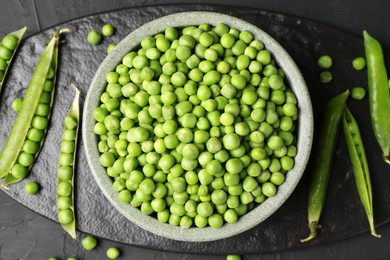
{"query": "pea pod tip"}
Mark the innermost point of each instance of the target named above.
(386, 158)
(313, 231)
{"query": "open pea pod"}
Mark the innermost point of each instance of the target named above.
(29, 130)
(360, 166)
(66, 168)
(14, 39)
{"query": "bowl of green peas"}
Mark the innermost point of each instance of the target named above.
(197, 126)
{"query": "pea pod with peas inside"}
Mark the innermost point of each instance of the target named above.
(360, 166)
(66, 168)
(379, 96)
(28, 132)
(8, 47)
(323, 161)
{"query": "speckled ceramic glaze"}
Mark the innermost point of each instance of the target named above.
(262, 211)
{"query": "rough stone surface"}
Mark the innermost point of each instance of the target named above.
(343, 216)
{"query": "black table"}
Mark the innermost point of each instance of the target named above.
(27, 235)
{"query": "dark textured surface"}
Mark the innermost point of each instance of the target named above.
(346, 212)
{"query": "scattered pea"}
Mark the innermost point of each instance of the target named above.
(31, 188)
(17, 104)
(89, 243)
(94, 37)
(359, 63)
(325, 62)
(326, 76)
(108, 30)
(110, 47)
(358, 93)
(113, 253)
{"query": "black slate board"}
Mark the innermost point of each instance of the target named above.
(343, 216)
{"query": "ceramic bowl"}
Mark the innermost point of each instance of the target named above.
(259, 213)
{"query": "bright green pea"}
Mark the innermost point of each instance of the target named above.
(326, 76)
(31, 188)
(65, 216)
(268, 189)
(358, 93)
(359, 63)
(325, 62)
(94, 37)
(113, 253)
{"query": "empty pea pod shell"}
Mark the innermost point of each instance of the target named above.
(14, 143)
(18, 35)
(360, 166)
(74, 114)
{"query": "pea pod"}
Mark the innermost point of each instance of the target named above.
(360, 166)
(66, 168)
(379, 96)
(9, 46)
(323, 161)
(27, 135)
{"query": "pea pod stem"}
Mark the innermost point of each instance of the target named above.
(379, 96)
(360, 166)
(18, 35)
(323, 161)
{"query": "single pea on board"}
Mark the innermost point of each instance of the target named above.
(113, 253)
(325, 62)
(94, 37)
(359, 63)
(358, 93)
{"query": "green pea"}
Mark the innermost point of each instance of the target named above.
(31, 188)
(17, 104)
(5, 53)
(325, 62)
(10, 42)
(89, 243)
(108, 30)
(65, 216)
(358, 93)
(326, 76)
(30, 147)
(64, 202)
(233, 257)
(268, 189)
(359, 63)
(94, 37)
(26, 159)
(113, 253)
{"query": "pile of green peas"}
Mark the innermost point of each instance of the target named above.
(65, 172)
(7, 48)
(196, 127)
(36, 133)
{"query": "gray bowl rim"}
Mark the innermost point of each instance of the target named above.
(260, 212)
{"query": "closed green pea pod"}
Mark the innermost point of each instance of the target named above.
(379, 96)
(323, 161)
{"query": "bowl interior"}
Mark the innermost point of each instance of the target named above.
(259, 213)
